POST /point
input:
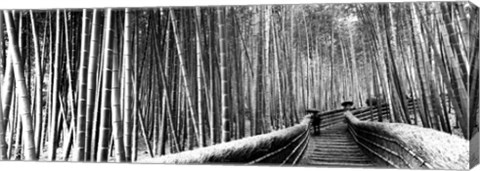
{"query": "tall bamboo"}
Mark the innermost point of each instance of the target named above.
(117, 124)
(183, 72)
(199, 75)
(127, 110)
(38, 85)
(91, 82)
(52, 145)
(24, 99)
(223, 104)
(79, 152)
(105, 129)
(267, 126)
(3, 143)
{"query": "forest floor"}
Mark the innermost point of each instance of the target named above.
(455, 129)
(142, 152)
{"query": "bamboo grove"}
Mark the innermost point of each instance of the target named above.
(120, 84)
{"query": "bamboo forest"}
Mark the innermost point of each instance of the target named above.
(241, 84)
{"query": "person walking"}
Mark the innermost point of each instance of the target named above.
(316, 120)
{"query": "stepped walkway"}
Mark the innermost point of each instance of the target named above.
(335, 147)
(348, 138)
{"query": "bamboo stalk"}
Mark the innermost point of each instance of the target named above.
(105, 129)
(24, 99)
(79, 153)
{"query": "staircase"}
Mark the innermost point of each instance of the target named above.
(335, 147)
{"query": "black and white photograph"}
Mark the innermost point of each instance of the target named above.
(323, 85)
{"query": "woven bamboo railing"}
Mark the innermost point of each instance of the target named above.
(406, 146)
(284, 147)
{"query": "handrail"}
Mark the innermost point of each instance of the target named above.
(247, 149)
(299, 143)
(407, 146)
(420, 159)
(305, 144)
(385, 107)
(334, 116)
(355, 137)
(386, 146)
(360, 111)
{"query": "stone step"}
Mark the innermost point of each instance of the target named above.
(331, 136)
(326, 143)
(347, 160)
(338, 155)
(334, 147)
(349, 141)
(340, 164)
(339, 151)
(333, 142)
(338, 148)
